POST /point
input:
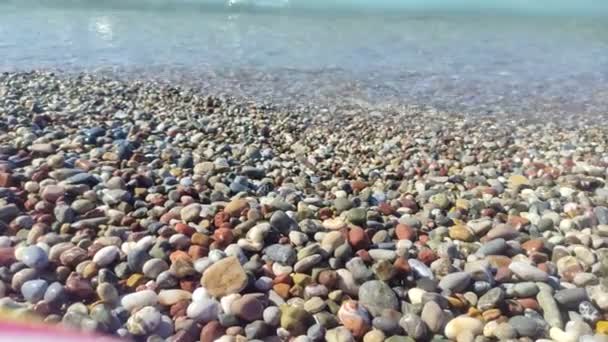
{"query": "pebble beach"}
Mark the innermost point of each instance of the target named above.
(152, 212)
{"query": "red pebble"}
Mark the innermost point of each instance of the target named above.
(220, 218)
(223, 236)
(184, 229)
(402, 266)
(325, 213)
(165, 218)
(386, 208)
(179, 309)
(358, 239)
(405, 232)
(197, 252)
(427, 256)
(488, 212)
(188, 285)
(7, 256)
(6, 180)
(45, 218)
(543, 266)
(226, 225)
(283, 279)
(503, 275)
(179, 255)
(212, 331)
(529, 303)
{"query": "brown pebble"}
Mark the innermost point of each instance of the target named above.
(73, 256)
(234, 331)
(405, 232)
(7, 256)
(212, 331)
(529, 303)
(79, 287)
(328, 278)
(534, 245)
(223, 236)
(7, 180)
(179, 309)
(358, 239)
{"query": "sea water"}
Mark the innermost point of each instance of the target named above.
(511, 56)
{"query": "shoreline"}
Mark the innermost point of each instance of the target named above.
(153, 212)
(337, 93)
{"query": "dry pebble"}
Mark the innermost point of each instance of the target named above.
(152, 212)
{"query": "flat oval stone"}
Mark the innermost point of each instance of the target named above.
(525, 326)
(106, 256)
(285, 254)
(35, 257)
(376, 296)
(139, 300)
(422, 270)
(170, 297)
(493, 247)
(136, 259)
(153, 267)
(54, 292)
(455, 282)
(224, 277)
(33, 290)
(528, 272)
(107, 292)
(73, 256)
(571, 298)
(247, 308)
(204, 310)
(22, 276)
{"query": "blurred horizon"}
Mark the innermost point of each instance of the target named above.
(510, 7)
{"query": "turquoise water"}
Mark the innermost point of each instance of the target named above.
(483, 56)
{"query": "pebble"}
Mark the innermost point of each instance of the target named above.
(463, 324)
(248, 308)
(527, 272)
(455, 282)
(525, 327)
(139, 299)
(433, 316)
(376, 296)
(490, 299)
(571, 298)
(205, 310)
(413, 326)
(224, 277)
(355, 318)
(106, 256)
(551, 311)
(144, 321)
(339, 334)
(34, 257)
(171, 297)
(109, 294)
(33, 290)
(294, 319)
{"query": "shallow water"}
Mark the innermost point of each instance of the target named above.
(499, 60)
